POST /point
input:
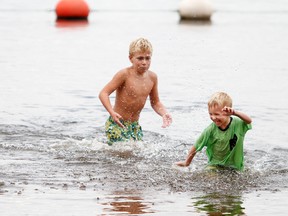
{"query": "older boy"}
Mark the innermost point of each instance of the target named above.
(132, 85)
(224, 137)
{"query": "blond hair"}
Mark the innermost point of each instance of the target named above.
(140, 45)
(221, 99)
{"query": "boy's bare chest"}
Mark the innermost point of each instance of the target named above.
(138, 87)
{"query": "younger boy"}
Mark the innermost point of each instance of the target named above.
(132, 85)
(224, 137)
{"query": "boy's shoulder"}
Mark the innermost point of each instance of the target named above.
(239, 123)
(209, 129)
(152, 74)
(123, 73)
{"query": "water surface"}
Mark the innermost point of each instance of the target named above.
(52, 143)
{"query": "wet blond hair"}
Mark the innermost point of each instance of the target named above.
(140, 45)
(221, 99)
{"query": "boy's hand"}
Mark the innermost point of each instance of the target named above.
(167, 120)
(181, 164)
(116, 117)
(228, 110)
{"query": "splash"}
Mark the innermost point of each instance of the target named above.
(75, 161)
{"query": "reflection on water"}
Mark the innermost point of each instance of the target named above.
(123, 203)
(62, 23)
(126, 202)
(219, 204)
(195, 22)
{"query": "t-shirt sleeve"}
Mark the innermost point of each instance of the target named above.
(245, 126)
(248, 126)
(202, 139)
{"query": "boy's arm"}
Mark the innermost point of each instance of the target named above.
(104, 94)
(157, 106)
(243, 116)
(189, 158)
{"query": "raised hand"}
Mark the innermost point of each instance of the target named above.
(228, 110)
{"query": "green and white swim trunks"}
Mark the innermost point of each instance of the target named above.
(115, 133)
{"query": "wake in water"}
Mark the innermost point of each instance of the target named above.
(59, 160)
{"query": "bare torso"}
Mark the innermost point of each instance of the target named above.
(131, 96)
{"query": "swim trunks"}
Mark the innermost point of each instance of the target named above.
(115, 133)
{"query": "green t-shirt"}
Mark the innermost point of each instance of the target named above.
(224, 147)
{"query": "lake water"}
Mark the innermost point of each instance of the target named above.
(53, 156)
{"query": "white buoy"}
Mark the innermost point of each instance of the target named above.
(195, 9)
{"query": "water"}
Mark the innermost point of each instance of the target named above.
(53, 157)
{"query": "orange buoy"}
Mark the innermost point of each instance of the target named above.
(72, 9)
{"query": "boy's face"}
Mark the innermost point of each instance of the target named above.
(141, 61)
(218, 116)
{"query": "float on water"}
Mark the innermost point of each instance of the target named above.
(195, 10)
(72, 10)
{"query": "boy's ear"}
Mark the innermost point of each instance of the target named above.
(130, 58)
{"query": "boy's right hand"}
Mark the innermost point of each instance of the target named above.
(181, 163)
(116, 117)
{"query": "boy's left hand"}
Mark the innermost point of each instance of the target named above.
(228, 110)
(167, 120)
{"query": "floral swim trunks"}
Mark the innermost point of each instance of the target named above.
(115, 133)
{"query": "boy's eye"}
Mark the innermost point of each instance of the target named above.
(141, 58)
